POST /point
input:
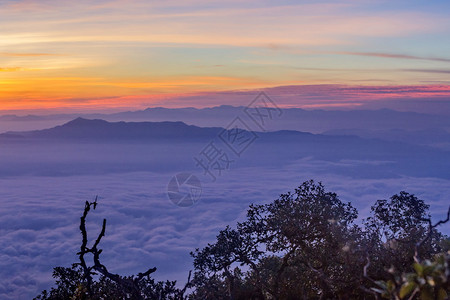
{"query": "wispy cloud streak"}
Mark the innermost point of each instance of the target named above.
(12, 54)
(393, 55)
(439, 71)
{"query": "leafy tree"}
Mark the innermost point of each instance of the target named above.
(430, 280)
(303, 245)
(431, 277)
(394, 228)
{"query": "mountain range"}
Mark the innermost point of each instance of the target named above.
(84, 145)
(315, 121)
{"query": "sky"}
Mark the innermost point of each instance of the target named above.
(112, 55)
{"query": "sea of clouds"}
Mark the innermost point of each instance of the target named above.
(39, 215)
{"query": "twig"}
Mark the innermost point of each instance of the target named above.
(186, 286)
(366, 276)
(83, 248)
(430, 232)
(130, 285)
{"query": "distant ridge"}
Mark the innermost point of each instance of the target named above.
(270, 148)
(315, 121)
(98, 129)
(81, 128)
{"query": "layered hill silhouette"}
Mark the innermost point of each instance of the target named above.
(81, 128)
(84, 145)
(436, 137)
(315, 121)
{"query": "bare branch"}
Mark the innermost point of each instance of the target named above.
(366, 276)
(428, 236)
(83, 248)
(186, 286)
(102, 234)
(147, 273)
(130, 285)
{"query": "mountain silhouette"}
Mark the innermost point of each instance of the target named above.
(84, 145)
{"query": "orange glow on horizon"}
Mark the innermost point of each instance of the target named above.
(113, 54)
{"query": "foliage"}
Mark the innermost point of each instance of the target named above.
(430, 280)
(305, 236)
(306, 245)
(303, 245)
(70, 284)
(78, 282)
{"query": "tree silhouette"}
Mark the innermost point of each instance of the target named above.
(78, 282)
(306, 245)
(303, 245)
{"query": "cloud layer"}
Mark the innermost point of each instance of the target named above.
(39, 223)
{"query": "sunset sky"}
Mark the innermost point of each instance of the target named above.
(109, 55)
